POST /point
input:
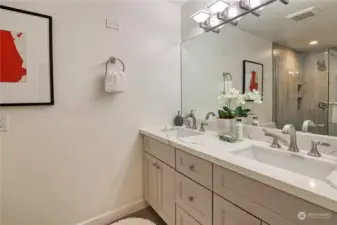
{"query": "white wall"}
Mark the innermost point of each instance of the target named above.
(207, 56)
(83, 157)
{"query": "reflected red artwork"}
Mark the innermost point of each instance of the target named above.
(12, 53)
(254, 84)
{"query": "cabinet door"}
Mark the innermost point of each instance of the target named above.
(184, 219)
(151, 180)
(166, 196)
(226, 213)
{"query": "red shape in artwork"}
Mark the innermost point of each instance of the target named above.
(11, 69)
(19, 34)
(254, 85)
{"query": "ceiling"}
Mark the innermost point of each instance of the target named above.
(273, 25)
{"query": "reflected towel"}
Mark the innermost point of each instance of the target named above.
(334, 113)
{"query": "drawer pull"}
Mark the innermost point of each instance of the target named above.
(192, 168)
(191, 198)
(155, 165)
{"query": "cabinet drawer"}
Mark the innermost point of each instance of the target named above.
(225, 213)
(194, 199)
(195, 168)
(160, 150)
(183, 218)
(265, 202)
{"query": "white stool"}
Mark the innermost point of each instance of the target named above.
(133, 221)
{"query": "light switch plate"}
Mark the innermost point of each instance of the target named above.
(3, 122)
(112, 24)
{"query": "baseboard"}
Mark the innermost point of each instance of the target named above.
(111, 216)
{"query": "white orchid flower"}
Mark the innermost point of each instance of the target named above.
(240, 100)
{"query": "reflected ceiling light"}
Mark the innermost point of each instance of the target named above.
(218, 6)
(252, 4)
(200, 16)
(313, 42)
(212, 21)
(233, 11)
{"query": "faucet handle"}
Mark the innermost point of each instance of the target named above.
(202, 129)
(314, 150)
(275, 137)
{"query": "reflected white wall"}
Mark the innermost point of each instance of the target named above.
(207, 56)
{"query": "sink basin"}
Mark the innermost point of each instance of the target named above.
(313, 168)
(182, 132)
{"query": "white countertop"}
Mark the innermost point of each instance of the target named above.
(208, 147)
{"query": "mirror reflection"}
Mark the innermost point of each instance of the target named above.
(287, 54)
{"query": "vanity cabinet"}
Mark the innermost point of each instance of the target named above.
(194, 199)
(183, 218)
(151, 180)
(159, 188)
(187, 190)
(225, 213)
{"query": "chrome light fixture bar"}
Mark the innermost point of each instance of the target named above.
(231, 13)
(230, 20)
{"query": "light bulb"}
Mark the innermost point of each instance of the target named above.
(200, 16)
(218, 6)
(233, 11)
(214, 21)
(256, 3)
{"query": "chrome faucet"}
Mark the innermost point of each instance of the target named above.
(209, 114)
(314, 148)
(291, 130)
(194, 125)
(202, 128)
(275, 137)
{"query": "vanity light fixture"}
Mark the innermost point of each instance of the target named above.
(286, 2)
(218, 6)
(211, 22)
(313, 42)
(251, 5)
(229, 12)
(205, 21)
(200, 16)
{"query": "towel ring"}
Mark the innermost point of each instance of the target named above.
(113, 60)
(227, 75)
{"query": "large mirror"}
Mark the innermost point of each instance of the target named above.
(289, 53)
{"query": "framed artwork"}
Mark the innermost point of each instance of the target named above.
(26, 58)
(252, 76)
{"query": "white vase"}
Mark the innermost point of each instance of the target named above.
(243, 120)
(225, 126)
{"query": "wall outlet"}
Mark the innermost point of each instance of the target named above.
(3, 122)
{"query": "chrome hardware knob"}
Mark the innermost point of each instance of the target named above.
(191, 198)
(192, 167)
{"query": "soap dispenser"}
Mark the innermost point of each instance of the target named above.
(178, 120)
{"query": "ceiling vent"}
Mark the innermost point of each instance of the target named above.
(302, 15)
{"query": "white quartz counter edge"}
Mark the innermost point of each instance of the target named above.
(311, 190)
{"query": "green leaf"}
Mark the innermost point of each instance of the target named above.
(239, 111)
(222, 114)
(247, 110)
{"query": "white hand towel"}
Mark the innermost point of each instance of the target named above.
(109, 81)
(334, 113)
(123, 81)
